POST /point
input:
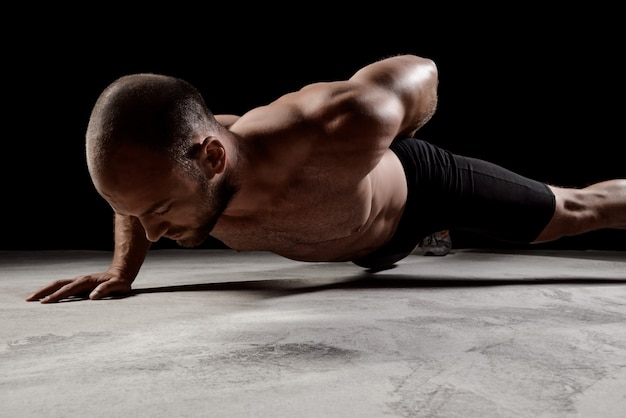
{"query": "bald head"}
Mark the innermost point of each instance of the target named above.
(155, 111)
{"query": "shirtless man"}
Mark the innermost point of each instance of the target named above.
(328, 173)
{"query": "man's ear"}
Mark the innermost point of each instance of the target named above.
(212, 158)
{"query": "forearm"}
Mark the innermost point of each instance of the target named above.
(131, 247)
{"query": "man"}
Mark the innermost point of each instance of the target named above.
(327, 173)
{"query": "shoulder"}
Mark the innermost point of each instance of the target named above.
(339, 115)
(344, 106)
(227, 120)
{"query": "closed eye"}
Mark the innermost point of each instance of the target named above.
(162, 211)
(159, 208)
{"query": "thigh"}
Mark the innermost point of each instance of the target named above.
(498, 202)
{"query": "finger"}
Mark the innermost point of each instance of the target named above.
(109, 288)
(73, 288)
(47, 290)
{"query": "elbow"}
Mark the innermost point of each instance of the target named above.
(421, 94)
(425, 74)
(428, 73)
(426, 67)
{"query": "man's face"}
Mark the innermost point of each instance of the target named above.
(167, 201)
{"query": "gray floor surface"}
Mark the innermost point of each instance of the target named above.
(215, 333)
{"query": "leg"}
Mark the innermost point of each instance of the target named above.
(599, 206)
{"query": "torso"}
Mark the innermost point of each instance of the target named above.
(315, 185)
(317, 219)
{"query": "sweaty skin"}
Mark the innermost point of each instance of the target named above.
(309, 176)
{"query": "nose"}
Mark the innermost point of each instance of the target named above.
(155, 229)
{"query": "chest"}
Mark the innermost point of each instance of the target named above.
(295, 218)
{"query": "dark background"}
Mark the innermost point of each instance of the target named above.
(540, 94)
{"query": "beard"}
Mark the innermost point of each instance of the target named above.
(215, 199)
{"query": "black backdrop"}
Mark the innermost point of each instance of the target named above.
(542, 95)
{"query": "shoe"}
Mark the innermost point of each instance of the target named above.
(436, 244)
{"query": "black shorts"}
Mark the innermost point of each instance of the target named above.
(448, 191)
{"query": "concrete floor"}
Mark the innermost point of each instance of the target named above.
(215, 333)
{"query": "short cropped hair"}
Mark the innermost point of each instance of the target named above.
(158, 111)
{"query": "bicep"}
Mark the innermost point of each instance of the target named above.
(411, 80)
(369, 116)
